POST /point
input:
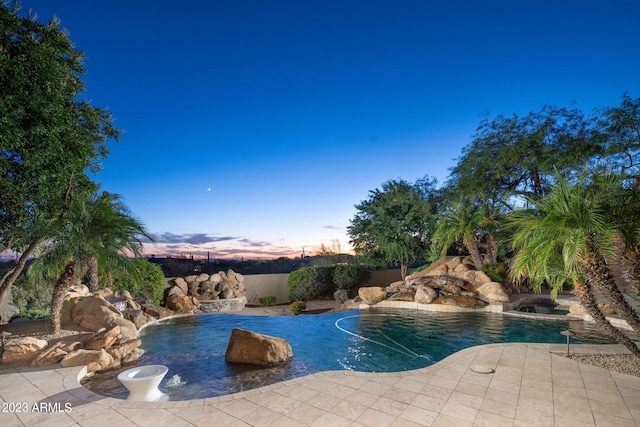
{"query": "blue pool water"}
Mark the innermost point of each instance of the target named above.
(373, 340)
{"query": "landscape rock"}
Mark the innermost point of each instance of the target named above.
(425, 295)
(122, 350)
(372, 295)
(402, 296)
(492, 292)
(102, 339)
(579, 310)
(176, 290)
(156, 311)
(22, 349)
(257, 349)
(96, 360)
(458, 300)
(137, 317)
(181, 284)
(94, 313)
(182, 303)
(50, 356)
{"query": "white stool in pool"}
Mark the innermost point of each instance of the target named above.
(142, 382)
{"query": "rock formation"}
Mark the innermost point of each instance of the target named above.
(448, 281)
(205, 287)
(257, 349)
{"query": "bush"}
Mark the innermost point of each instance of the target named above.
(309, 283)
(297, 307)
(341, 296)
(31, 298)
(345, 277)
(267, 300)
(150, 287)
(497, 273)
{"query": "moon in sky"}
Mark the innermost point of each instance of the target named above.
(209, 189)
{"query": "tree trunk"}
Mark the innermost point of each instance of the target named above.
(492, 249)
(585, 295)
(403, 270)
(92, 272)
(12, 274)
(597, 272)
(59, 292)
(472, 247)
(631, 268)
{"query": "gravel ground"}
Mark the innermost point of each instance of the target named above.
(622, 363)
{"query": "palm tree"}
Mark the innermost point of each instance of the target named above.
(566, 238)
(97, 234)
(461, 221)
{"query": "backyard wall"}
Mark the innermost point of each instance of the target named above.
(259, 285)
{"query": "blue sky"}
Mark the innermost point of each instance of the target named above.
(252, 128)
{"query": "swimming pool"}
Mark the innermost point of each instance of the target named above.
(374, 340)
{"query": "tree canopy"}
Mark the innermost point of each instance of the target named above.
(396, 223)
(51, 138)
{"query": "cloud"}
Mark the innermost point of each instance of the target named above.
(333, 227)
(193, 239)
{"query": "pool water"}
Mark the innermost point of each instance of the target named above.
(375, 340)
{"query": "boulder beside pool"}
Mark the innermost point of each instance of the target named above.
(257, 349)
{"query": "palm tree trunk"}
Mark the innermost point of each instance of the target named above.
(631, 268)
(59, 292)
(596, 271)
(472, 247)
(585, 295)
(92, 272)
(492, 249)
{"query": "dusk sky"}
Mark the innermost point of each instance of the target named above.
(252, 128)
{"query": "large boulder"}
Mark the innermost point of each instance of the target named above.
(102, 339)
(94, 313)
(579, 310)
(492, 292)
(257, 349)
(156, 311)
(402, 296)
(425, 295)
(137, 317)
(180, 283)
(51, 355)
(372, 295)
(122, 350)
(458, 301)
(182, 303)
(96, 360)
(22, 349)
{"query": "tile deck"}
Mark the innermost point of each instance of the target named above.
(530, 387)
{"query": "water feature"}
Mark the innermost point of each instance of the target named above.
(374, 340)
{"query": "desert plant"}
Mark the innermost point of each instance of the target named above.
(341, 296)
(297, 307)
(150, 286)
(267, 300)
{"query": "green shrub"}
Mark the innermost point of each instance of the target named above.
(297, 307)
(345, 276)
(267, 300)
(33, 313)
(150, 286)
(31, 297)
(341, 296)
(497, 273)
(419, 269)
(309, 283)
